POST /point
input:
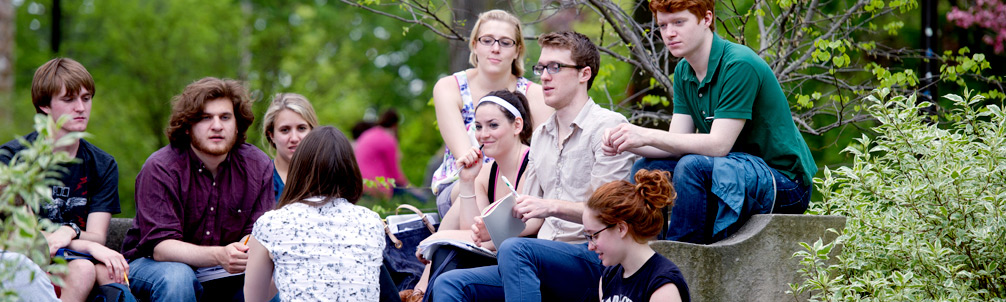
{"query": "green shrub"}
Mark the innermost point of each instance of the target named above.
(925, 205)
(25, 185)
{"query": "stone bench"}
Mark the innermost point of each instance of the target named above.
(756, 263)
(117, 232)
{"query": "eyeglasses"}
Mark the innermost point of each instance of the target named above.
(593, 237)
(504, 42)
(553, 68)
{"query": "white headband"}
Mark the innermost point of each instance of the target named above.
(499, 101)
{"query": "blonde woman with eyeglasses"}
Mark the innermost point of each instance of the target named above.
(497, 56)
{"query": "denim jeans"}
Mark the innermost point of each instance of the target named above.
(152, 280)
(529, 270)
(694, 211)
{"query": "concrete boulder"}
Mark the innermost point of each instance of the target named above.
(756, 263)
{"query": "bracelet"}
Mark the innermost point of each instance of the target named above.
(466, 196)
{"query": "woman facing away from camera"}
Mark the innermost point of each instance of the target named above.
(287, 121)
(497, 56)
(619, 220)
(318, 244)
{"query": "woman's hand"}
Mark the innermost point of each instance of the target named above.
(470, 164)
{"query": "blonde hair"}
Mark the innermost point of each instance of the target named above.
(292, 101)
(517, 68)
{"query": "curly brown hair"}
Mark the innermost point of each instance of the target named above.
(638, 205)
(187, 108)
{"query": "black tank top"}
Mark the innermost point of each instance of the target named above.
(494, 172)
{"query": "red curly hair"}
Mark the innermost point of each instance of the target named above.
(638, 205)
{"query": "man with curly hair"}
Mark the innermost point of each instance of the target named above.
(198, 198)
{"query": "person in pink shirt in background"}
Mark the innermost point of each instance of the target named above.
(378, 156)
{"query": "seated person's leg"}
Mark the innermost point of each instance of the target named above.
(691, 217)
(29, 282)
(449, 216)
(445, 198)
(545, 270)
(78, 281)
(152, 280)
(474, 284)
(792, 197)
(665, 164)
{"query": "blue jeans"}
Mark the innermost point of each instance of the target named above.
(694, 211)
(152, 280)
(529, 270)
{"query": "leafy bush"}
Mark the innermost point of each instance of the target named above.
(24, 187)
(925, 207)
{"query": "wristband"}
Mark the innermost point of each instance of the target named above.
(466, 196)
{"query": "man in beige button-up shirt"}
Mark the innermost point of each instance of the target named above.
(566, 165)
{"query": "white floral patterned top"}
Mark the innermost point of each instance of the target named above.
(330, 251)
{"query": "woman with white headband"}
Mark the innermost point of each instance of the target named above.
(503, 129)
(497, 58)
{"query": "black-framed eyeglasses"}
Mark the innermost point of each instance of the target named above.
(504, 42)
(553, 68)
(593, 237)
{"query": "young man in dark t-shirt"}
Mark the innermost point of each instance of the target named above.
(89, 193)
(732, 145)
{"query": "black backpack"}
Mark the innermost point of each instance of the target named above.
(112, 292)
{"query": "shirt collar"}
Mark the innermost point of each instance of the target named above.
(581, 117)
(715, 54)
(553, 120)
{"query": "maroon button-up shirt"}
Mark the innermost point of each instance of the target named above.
(177, 198)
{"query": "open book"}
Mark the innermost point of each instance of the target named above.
(204, 274)
(428, 248)
(499, 220)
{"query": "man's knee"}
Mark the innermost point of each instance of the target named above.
(693, 165)
(172, 274)
(80, 271)
(514, 248)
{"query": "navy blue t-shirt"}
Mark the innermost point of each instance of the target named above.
(656, 272)
(90, 185)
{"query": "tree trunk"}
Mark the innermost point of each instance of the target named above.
(7, 14)
(465, 12)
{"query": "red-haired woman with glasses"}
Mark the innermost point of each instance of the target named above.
(619, 221)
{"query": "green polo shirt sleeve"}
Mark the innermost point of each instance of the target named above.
(738, 92)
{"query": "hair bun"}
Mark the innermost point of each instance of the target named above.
(654, 187)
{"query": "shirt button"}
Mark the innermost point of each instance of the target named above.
(207, 233)
(211, 208)
(700, 94)
(214, 184)
(239, 210)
